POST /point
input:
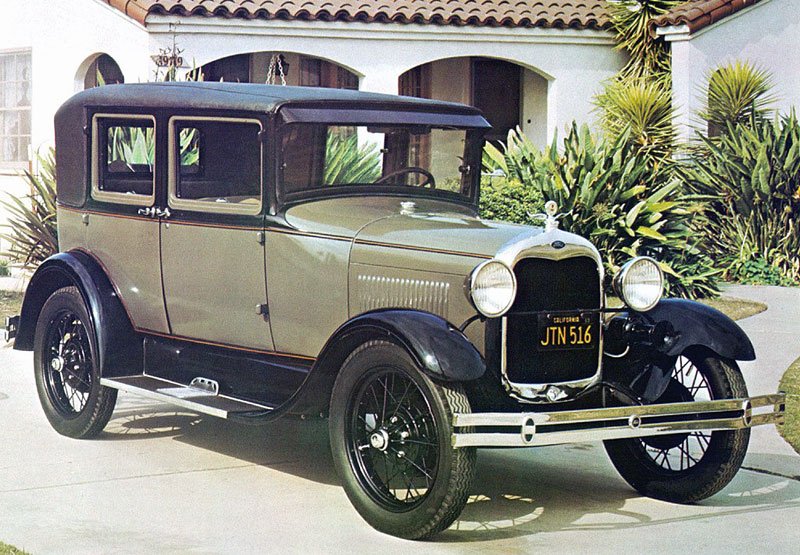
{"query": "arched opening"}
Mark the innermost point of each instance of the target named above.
(279, 68)
(508, 94)
(101, 69)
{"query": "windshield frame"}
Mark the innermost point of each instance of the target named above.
(474, 137)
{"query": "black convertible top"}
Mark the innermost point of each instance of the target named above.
(293, 104)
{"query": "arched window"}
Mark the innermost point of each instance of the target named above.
(103, 71)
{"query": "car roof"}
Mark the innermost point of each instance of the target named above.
(249, 97)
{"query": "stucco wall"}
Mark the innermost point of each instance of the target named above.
(767, 34)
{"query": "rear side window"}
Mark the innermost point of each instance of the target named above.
(123, 159)
(215, 164)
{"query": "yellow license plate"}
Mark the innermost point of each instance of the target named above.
(565, 331)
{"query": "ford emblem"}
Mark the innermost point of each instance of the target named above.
(558, 244)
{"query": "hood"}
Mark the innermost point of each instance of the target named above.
(431, 225)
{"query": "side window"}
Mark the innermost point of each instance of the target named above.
(215, 165)
(123, 159)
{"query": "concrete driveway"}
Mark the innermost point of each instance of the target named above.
(161, 480)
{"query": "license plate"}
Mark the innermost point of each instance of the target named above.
(565, 331)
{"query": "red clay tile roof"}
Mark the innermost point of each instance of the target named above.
(698, 14)
(577, 14)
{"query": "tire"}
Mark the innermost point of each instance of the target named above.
(64, 361)
(395, 457)
(688, 467)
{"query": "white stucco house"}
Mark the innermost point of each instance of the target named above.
(536, 63)
(705, 34)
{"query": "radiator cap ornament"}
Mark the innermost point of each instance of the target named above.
(551, 221)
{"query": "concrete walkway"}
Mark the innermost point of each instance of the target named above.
(165, 480)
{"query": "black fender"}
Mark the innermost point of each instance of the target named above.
(118, 346)
(646, 371)
(696, 324)
(439, 349)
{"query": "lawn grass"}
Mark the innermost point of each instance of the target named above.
(790, 383)
(6, 549)
(10, 304)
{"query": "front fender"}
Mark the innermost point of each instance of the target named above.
(698, 324)
(118, 347)
(438, 347)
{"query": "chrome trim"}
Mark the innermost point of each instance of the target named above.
(471, 280)
(542, 428)
(539, 246)
(620, 278)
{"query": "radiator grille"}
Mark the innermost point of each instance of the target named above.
(548, 285)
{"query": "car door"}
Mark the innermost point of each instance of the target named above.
(212, 241)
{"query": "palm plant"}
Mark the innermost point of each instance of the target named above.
(630, 19)
(612, 193)
(736, 92)
(33, 235)
(644, 108)
(348, 162)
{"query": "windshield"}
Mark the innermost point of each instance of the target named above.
(421, 158)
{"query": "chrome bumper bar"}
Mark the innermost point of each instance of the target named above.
(577, 426)
(10, 329)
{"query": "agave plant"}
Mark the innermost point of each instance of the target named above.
(32, 218)
(750, 176)
(615, 195)
(348, 162)
(735, 94)
(644, 108)
(630, 19)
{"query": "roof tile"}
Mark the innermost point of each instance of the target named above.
(578, 14)
(698, 14)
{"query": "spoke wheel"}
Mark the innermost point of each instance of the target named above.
(390, 431)
(392, 439)
(68, 383)
(687, 467)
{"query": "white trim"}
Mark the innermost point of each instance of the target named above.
(110, 196)
(160, 25)
(196, 205)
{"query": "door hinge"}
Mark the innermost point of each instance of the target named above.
(262, 309)
(262, 237)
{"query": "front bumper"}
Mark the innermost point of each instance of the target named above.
(554, 428)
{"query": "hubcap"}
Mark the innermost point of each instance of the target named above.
(379, 440)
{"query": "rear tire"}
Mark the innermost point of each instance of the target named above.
(390, 432)
(65, 365)
(688, 467)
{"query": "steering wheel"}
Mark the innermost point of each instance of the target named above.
(429, 179)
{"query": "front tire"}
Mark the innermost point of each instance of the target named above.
(65, 364)
(390, 431)
(687, 467)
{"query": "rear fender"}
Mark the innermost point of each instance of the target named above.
(118, 346)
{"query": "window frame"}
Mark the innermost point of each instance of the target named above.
(193, 205)
(14, 165)
(99, 194)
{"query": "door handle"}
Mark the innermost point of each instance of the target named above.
(162, 213)
(149, 211)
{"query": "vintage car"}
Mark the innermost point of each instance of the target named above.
(252, 251)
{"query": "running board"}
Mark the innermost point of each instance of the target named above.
(199, 399)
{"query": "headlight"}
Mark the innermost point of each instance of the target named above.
(640, 283)
(492, 288)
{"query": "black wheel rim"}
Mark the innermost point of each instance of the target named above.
(679, 452)
(392, 439)
(67, 364)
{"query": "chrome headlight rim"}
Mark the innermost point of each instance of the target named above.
(473, 277)
(620, 279)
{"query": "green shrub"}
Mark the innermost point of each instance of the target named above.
(735, 93)
(750, 176)
(509, 200)
(616, 196)
(32, 219)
